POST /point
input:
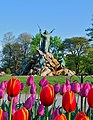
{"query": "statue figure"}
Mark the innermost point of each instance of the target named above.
(61, 61)
(45, 40)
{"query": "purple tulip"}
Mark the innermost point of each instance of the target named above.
(13, 108)
(55, 112)
(33, 89)
(43, 82)
(40, 110)
(68, 87)
(15, 100)
(30, 102)
(68, 81)
(56, 88)
(75, 87)
(1, 93)
(5, 116)
(22, 86)
(30, 80)
(63, 89)
(2, 85)
(84, 91)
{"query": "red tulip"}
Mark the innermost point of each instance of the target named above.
(1, 114)
(69, 101)
(21, 114)
(90, 97)
(13, 87)
(47, 95)
(81, 116)
(60, 117)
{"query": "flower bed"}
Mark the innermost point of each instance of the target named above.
(43, 107)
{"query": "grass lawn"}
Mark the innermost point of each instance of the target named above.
(51, 79)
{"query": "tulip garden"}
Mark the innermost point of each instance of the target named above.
(43, 106)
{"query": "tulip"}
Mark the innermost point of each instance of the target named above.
(63, 89)
(47, 95)
(30, 102)
(90, 98)
(5, 116)
(33, 89)
(22, 114)
(40, 110)
(55, 112)
(30, 80)
(60, 117)
(22, 86)
(69, 101)
(81, 116)
(75, 87)
(1, 114)
(84, 91)
(68, 81)
(43, 82)
(56, 88)
(2, 85)
(13, 87)
(1, 93)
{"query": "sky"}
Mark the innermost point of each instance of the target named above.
(70, 18)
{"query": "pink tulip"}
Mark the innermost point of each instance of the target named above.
(68, 81)
(1, 93)
(30, 102)
(30, 80)
(33, 89)
(5, 116)
(40, 110)
(55, 112)
(2, 85)
(63, 89)
(22, 86)
(75, 87)
(84, 91)
(43, 82)
(56, 88)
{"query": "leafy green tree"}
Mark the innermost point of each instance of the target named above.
(74, 49)
(55, 43)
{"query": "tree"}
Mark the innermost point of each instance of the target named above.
(25, 40)
(74, 49)
(55, 43)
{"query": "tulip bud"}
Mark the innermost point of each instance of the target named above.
(68, 81)
(5, 116)
(33, 89)
(40, 110)
(47, 95)
(2, 85)
(22, 86)
(21, 113)
(60, 117)
(81, 116)
(55, 112)
(63, 89)
(75, 87)
(30, 80)
(1, 93)
(69, 101)
(56, 88)
(90, 98)
(13, 87)
(1, 114)
(84, 91)
(43, 82)
(30, 102)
